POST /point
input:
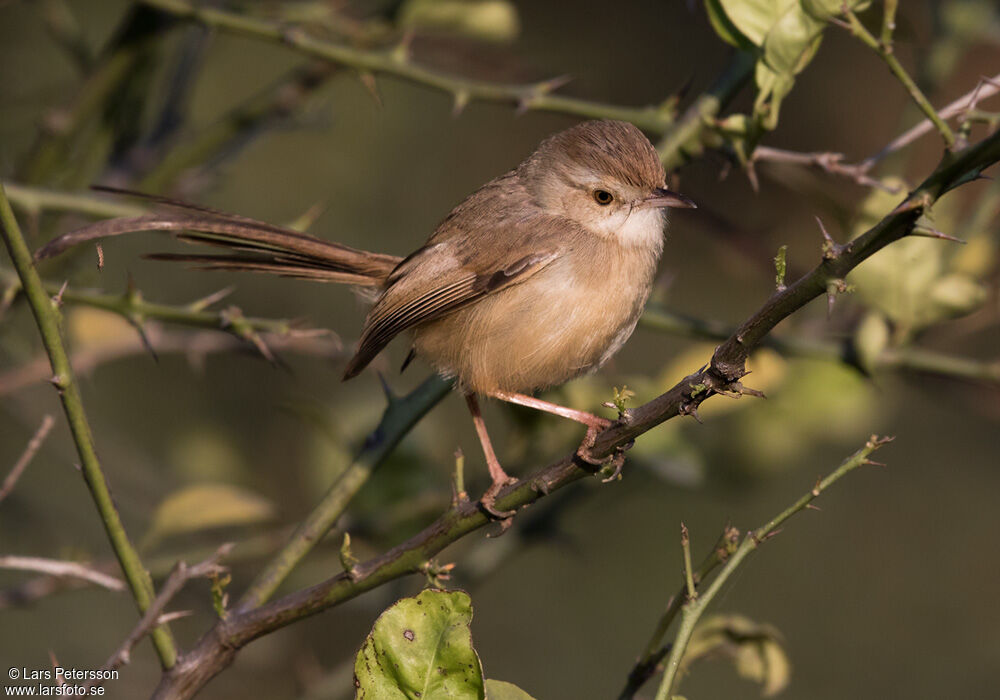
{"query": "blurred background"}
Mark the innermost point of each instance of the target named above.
(889, 591)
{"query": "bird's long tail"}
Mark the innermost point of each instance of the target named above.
(251, 245)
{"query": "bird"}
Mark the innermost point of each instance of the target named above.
(537, 277)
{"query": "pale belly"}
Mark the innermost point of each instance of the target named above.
(559, 324)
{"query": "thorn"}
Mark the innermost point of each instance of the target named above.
(833, 288)
(771, 534)
(401, 54)
(306, 220)
(928, 232)
(873, 463)
(816, 489)
(462, 98)
(689, 409)
(100, 256)
(553, 84)
(213, 298)
(831, 251)
(57, 300)
(810, 506)
(141, 330)
(368, 80)
(752, 392)
(390, 395)
(685, 535)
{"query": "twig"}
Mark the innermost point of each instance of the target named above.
(832, 163)
(178, 577)
(195, 346)
(35, 200)
(218, 647)
(63, 569)
(689, 576)
(533, 96)
(653, 654)
(987, 88)
(132, 307)
(883, 48)
(694, 608)
(47, 318)
(29, 453)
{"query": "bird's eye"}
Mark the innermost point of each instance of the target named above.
(603, 197)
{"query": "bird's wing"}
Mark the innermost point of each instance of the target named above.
(412, 300)
(493, 240)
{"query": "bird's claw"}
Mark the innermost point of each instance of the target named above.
(488, 501)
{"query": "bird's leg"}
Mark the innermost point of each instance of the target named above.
(497, 474)
(595, 424)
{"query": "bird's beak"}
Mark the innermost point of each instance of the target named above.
(662, 197)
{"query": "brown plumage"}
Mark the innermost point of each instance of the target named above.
(538, 276)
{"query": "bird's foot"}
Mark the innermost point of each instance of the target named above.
(594, 427)
(488, 501)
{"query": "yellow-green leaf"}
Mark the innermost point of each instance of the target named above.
(501, 690)
(421, 648)
(208, 506)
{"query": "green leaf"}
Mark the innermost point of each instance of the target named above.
(207, 506)
(502, 690)
(827, 9)
(755, 18)
(792, 41)
(421, 648)
(726, 30)
(871, 338)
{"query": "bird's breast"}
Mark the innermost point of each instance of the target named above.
(565, 320)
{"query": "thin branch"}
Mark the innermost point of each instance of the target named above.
(47, 317)
(29, 453)
(396, 62)
(194, 346)
(35, 200)
(986, 88)
(832, 163)
(694, 608)
(654, 653)
(884, 49)
(178, 577)
(219, 646)
(63, 569)
(132, 307)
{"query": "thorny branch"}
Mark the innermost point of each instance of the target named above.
(695, 605)
(219, 646)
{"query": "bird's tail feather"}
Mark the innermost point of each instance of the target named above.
(254, 246)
